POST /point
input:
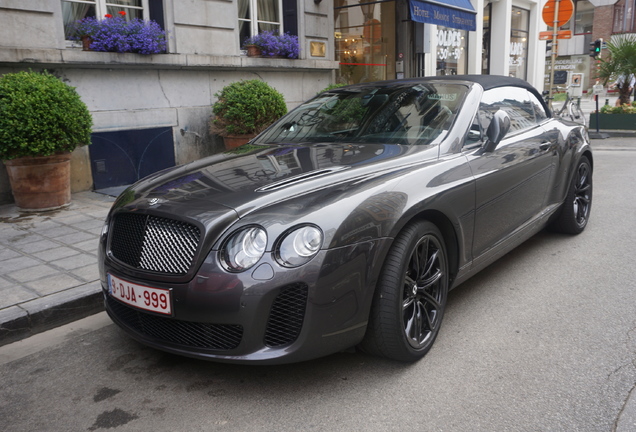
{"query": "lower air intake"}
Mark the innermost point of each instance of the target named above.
(185, 333)
(287, 315)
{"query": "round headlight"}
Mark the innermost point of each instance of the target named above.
(299, 246)
(244, 248)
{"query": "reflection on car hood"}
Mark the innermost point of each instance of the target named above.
(254, 175)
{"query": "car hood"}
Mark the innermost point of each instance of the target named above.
(253, 176)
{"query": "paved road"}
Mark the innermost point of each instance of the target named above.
(543, 340)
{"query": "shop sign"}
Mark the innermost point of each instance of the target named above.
(562, 66)
(430, 13)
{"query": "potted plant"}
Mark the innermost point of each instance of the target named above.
(84, 31)
(244, 109)
(273, 44)
(42, 120)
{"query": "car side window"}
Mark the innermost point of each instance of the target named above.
(539, 109)
(515, 101)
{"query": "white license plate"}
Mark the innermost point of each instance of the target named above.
(139, 296)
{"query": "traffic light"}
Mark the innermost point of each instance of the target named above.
(548, 47)
(595, 48)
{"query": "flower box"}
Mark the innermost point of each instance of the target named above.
(117, 34)
(274, 45)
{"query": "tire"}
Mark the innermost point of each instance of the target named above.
(575, 211)
(410, 297)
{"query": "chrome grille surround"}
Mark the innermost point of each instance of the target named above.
(154, 243)
(286, 316)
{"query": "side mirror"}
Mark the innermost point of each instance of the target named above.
(498, 128)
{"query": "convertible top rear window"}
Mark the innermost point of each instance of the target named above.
(410, 114)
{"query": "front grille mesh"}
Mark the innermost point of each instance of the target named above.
(287, 315)
(154, 243)
(185, 333)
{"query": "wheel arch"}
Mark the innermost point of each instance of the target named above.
(446, 227)
(588, 154)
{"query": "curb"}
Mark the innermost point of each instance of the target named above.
(41, 314)
(614, 133)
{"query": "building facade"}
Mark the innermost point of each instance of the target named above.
(591, 20)
(396, 39)
(153, 111)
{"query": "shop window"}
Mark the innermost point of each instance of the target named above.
(584, 17)
(73, 10)
(518, 56)
(365, 41)
(255, 16)
(451, 51)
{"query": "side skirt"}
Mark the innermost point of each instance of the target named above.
(516, 238)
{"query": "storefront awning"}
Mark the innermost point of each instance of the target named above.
(458, 14)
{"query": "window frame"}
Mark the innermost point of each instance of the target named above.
(576, 12)
(101, 9)
(254, 21)
(514, 130)
(622, 23)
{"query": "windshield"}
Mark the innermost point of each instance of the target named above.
(410, 114)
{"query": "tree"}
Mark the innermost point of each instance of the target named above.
(621, 64)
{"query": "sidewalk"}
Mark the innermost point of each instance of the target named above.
(588, 104)
(48, 271)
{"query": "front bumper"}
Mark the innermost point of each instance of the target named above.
(268, 314)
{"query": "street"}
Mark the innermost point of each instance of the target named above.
(542, 340)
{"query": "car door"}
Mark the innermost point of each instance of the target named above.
(511, 181)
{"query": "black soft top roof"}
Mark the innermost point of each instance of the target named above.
(486, 81)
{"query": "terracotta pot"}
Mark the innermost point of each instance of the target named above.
(40, 183)
(253, 50)
(86, 43)
(234, 141)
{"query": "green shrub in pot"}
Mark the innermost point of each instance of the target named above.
(246, 108)
(40, 115)
(42, 120)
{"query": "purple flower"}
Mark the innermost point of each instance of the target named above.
(120, 35)
(274, 44)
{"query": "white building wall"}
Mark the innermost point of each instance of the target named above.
(132, 91)
(500, 37)
(475, 40)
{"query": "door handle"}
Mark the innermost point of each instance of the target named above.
(545, 146)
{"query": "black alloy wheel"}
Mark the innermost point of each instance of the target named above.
(576, 208)
(422, 296)
(411, 295)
